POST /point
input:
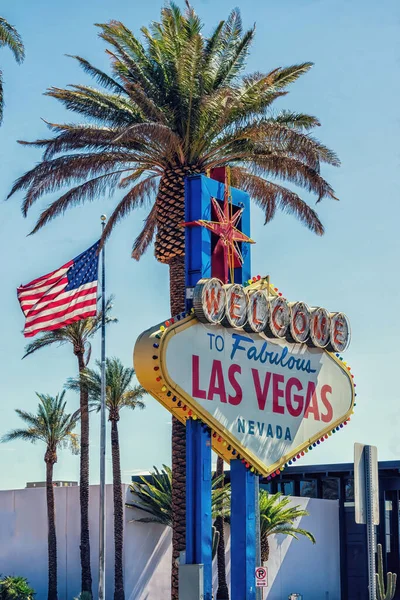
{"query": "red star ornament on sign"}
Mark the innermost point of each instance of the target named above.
(227, 251)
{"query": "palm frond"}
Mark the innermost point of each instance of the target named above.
(101, 77)
(136, 197)
(1, 97)
(10, 37)
(90, 190)
(270, 196)
(27, 435)
(153, 495)
(120, 389)
(277, 516)
(174, 101)
(100, 106)
(48, 338)
(146, 236)
(51, 424)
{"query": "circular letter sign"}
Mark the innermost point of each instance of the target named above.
(299, 322)
(209, 300)
(257, 312)
(319, 327)
(279, 316)
(236, 306)
(340, 332)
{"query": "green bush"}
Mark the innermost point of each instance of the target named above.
(15, 588)
(82, 596)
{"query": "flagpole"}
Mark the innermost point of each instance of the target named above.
(102, 520)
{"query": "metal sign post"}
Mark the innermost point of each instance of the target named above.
(366, 496)
(370, 521)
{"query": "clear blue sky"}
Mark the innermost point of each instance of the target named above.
(354, 89)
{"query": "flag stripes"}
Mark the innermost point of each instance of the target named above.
(63, 296)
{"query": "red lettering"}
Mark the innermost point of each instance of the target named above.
(235, 400)
(277, 393)
(338, 332)
(212, 301)
(256, 320)
(311, 402)
(302, 316)
(326, 389)
(261, 393)
(217, 384)
(233, 306)
(320, 326)
(295, 411)
(196, 391)
(274, 321)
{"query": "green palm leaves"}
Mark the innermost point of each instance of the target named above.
(120, 391)
(277, 515)
(51, 424)
(176, 101)
(10, 38)
(78, 334)
(154, 497)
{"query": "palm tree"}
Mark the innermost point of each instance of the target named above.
(154, 496)
(277, 517)
(10, 37)
(222, 591)
(178, 104)
(120, 393)
(54, 426)
(78, 334)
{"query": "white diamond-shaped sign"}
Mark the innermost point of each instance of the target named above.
(265, 399)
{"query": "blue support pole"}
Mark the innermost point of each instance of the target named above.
(199, 190)
(198, 500)
(243, 532)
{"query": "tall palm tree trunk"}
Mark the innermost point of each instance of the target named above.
(264, 548)
(51, 522)
(222, 592)
(119, 593)
(86, 575)
(177, 300)
(170, 249)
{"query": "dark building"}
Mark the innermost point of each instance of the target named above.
(336, 482)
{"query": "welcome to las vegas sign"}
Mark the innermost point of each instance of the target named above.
(236, 365)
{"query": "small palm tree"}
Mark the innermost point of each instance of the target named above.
(154, 497)
(54, 426)
(277, 516)
(78, 335)
(9, 37)
(120, 393)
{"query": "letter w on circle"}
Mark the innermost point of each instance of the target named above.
(212, 301)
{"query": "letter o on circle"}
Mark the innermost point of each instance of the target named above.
(300, 316)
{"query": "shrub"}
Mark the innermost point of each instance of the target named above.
(82, 596)
(15, 588)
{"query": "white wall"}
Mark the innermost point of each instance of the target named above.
(23, 548)
(298, 566)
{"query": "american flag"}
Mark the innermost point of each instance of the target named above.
(62, 296)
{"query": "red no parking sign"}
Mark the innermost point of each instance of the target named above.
(261, 577)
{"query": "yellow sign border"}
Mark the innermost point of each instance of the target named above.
(151, 371)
